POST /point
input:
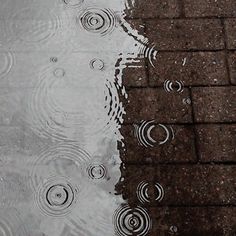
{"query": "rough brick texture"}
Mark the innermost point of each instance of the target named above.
(148, 104)
(153, 8)
(196, 221)
(202, 8)
(232, 67)
(183, 185)
(230, 27)
(196, 45)
(134, 75)
(214, 104)
(185, 34)
(212, 136)
(180, 148)
(198, 68)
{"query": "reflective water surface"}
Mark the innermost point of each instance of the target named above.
(62, 106)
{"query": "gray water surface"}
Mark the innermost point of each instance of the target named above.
(61, 67)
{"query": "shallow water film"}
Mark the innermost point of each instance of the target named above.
(116, 118)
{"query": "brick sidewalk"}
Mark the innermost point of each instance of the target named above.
(196, 43)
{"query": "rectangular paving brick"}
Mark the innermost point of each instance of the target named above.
(134, 75)
(184, 185)
(230, 28)
(215, 104)
(192, 68)
(196, 221)
(185, 34)
(153, 9)
(212, 136)
(203, 8)
(156, 103)
(232, 66)
(179, 145)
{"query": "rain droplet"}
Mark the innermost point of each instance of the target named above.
(59, 72)
(187, 101)
(97, 64)
(143, 133)
(173, 229)
(64, 159)
(54, 59)
(143, 192)
(176, 86)
(56, 197)
(131, 221)
(97, 171)
(99, 21)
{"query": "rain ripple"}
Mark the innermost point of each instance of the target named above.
(10, 223)
(56, 197)
(54, 114)
(143, 133)
(132, 221)
(99, 21)
(63, 159)
(6, 63)
(34, 25)
(73, 3)
(143, 192)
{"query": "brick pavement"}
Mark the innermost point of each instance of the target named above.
(196, 43)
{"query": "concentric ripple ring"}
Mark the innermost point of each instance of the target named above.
(131, 221)
(56, 197)
(99, 21)
(7, 62)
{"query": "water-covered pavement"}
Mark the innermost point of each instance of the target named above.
(117, 117)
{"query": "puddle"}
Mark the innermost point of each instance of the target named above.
(61, 84)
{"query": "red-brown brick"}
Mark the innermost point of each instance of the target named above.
(230, 28)
(217, 142)
(185, 34)
(153, 9)
(156, 103)
(135, 75)
(185, 185)
(232, 67)
(194, 221)
(204, 8)
(215, 104)
(198, 68)
(180, 148)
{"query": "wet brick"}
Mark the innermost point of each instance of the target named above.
(134, 75)
(212, 136)
(132, 176)
(204, 8)
(230, 28)
(156, 103)
(216, 104)
(153, 9)
(196, 221)
(184, 185)
(179, 149)
(192, 68)
(232, 67)
(188, 34)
